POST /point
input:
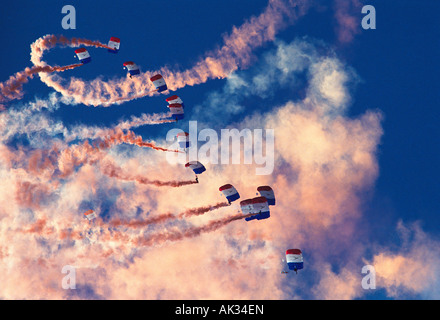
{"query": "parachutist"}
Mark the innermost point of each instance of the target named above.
(175, 99)
(159, 83)
(132, 68)
(267, 192)
(176, 111)
(230, 192)
(114, 44)
(294, 259)
(256, 207)
(196, 166)
(183, 140)
(197, 179)
(83, 55)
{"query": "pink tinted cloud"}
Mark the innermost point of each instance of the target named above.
(348, 18)
(324, 161)
(412, 268)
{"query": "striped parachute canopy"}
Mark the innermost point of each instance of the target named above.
(83, 55)
(294, 259)
(196, 166)
(90, 214)
(132, 68)
(230, 192)
(114, 43)
(159, 83)
(183, 140)
(175, 99)
(258, 206)
(267, 192)
(176, 111)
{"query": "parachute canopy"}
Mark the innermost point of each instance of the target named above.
(132, 68)
(176, 111)
(183, 139)
(230, 192)
(294, 259)
(83, 55)
(159, 83)
(114, 43)
(196, 166)
(267, 192)
(90, 214)
(175, 99)
(258, 206)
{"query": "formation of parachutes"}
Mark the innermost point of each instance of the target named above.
(256, 208)
(175, 104)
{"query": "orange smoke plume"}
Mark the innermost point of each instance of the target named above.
(202, 210)
(160, 238)
(117, 136)
(166, 216)
(13, 87)
(236, 52)
(116, 172)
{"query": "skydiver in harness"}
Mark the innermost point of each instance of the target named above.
(197, 179)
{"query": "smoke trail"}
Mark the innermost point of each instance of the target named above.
(166, 216)
(89, 132)
(159, 238)
(157, 183)
(236, 52)
(79, 90)
(142, 223)
(60, 160)
(77, 155)
(117, 136)
(51, 41)
(202, 210)
(41, 228)
(13, 87)
(25, 121)
(145, 119)
(45, 162)
(116, 172)
(131, 138)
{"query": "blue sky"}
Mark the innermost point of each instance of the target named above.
(396, 68)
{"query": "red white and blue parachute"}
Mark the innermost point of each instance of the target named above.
(90, 214)
(230, 192)
(132, 68)
(183, 140)
(176, 111)
(258, 206)
(294, 259)
(196, 166)
(159, 83)
(83, 55)
(175, 99)
(114, 43)
(267, 192)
